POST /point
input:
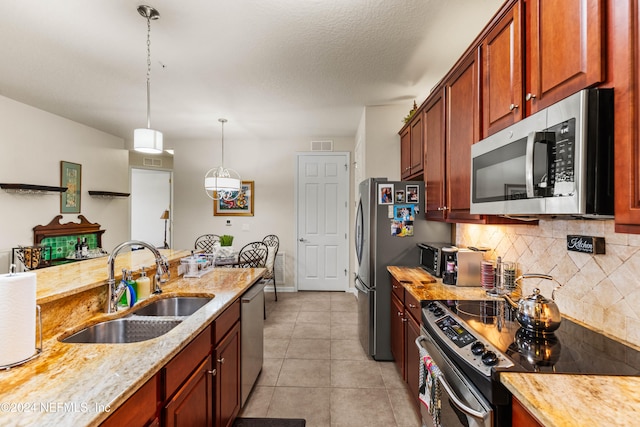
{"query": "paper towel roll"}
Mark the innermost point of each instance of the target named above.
(17, 317)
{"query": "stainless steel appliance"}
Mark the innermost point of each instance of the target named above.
(251, 338)
(378, 244)
(558, 161)
(473, 342)
(432, 258)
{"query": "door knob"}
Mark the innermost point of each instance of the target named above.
(221, 360)
(301, 239)
(530, 96)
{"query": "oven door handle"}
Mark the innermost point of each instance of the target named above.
(447, 388)
(456, 401)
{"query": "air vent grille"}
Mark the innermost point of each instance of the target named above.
(151, 162)
(322, 145)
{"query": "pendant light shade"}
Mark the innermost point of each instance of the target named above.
(147, 140)
(221, 183)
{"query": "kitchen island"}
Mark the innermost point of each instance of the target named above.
(553, 399)
(82, 384)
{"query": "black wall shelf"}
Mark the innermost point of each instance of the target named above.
(107, 194)
(31, 189)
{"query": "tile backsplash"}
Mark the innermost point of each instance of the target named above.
(602, 291)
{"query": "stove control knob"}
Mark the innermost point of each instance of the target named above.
(477, 348)
(438, 312)
(489, 358)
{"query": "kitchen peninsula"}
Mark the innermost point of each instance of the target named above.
(83, 384)
(553, 399)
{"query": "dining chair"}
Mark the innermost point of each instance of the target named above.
(206, 242)
(273, 243)
(253, 255)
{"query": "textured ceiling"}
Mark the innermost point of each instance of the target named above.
(274, 68)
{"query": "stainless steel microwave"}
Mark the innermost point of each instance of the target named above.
(558, 161)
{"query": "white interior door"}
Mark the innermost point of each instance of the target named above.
(322, 222)
(150, 197)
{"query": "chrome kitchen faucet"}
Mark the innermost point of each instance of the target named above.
(115, 292)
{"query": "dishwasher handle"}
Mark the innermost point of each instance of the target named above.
(253, 292)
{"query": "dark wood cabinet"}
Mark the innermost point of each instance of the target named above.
(405, 328)
(141, 409)
(397, 333)
(192, 405)
(226, 357)
(188, 384)
(411, 148)
(502, 69)
(521, 417)
(434, 156)
(624, 60)
(462, 127)
(565, 42)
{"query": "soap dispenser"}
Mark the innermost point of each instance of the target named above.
(144, 285)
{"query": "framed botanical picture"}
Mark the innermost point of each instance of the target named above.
(412, 194)
(385, 194)
(242, 205)
(70, 177)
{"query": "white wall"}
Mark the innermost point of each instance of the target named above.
(32, 144)
(270, 164)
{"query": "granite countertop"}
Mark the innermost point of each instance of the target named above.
(71, 384)
(554, 399)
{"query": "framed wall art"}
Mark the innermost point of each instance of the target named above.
(240, 206)
(70, 177)
(385, 194)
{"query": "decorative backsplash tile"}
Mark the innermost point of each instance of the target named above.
(61, 246)
(602, 291)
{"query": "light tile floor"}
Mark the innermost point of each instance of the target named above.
(315, 368)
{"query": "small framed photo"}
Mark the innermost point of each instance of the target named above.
(70, 177)
(413, 195)
(385, 194)
(242, 205)
(400, 196)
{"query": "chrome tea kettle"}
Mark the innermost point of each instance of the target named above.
(535, 312)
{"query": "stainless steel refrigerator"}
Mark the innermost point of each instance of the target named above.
(389, 225)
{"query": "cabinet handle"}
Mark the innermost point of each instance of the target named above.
(221, 360)
(400, 314)
(443, 208)
(412, 306)
(404, 319)
(212, 372)
(530, 96)
(513, 107)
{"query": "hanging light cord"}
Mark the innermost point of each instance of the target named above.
(149, 71)
(223, 121)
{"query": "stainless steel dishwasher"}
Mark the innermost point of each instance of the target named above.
(251, 338)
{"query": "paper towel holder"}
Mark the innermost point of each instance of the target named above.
(38, 349)
(12, 271)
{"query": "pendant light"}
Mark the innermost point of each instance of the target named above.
(221, 183)
(147, 140)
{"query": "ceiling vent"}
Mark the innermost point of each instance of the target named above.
(154, 163)
(322, 145)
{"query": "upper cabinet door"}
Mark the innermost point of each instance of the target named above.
(405, 152)
(434, 159)
(502, 66)
(462, 130)
(417, 149)
(565, 40)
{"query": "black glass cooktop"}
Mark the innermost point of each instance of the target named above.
(571, 349)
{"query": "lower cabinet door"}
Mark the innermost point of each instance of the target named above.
(227, 355)
(397, 334)
(141, 409)
(192, 405)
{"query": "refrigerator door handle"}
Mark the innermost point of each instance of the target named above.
(359, 285)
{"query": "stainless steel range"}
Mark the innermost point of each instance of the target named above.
(472, 342)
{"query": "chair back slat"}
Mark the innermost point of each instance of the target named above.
(253, 255)
(206, 242)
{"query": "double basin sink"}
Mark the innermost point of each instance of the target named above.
(145, 323)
